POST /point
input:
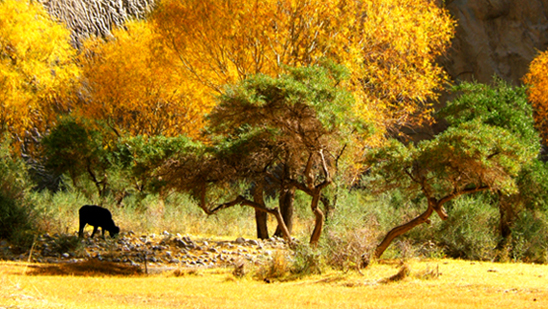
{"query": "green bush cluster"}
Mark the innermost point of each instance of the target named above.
(17, 214)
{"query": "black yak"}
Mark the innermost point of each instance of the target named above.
(97, 216)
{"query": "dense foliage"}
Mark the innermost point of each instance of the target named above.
(37, 67)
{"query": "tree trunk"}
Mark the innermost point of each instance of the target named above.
(402, 229)
(281, 224)
(318, 227)
(261, 217)
(287, 197)
(262, 226)
(327, 206)
(507, 217)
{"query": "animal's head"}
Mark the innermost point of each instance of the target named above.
(114, 231)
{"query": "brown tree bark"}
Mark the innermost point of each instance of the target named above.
(261, 217)
(402, 229)
(507, 217)
(433, 205)
(261, 220)
(319, 219)
(287, 197)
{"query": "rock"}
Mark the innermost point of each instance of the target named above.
(496, 37)
(240, 240)
(253, 242)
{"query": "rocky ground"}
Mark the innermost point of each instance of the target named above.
(147, 251)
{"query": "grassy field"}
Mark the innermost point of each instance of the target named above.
(429, 284)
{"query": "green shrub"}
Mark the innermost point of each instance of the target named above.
(17, 216)
(530, 237)
(16, 222)
(470, 232)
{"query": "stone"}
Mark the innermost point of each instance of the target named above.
(495, 37)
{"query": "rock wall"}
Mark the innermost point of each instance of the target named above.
(496, 37)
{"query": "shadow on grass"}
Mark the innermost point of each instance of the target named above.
(85, 268)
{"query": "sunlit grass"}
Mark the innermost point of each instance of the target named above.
(430, 284)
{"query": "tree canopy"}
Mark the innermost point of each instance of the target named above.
(143, 94)
(299, 122)
(490, 140)
(390, 46)
(37, 67)
(538, 89)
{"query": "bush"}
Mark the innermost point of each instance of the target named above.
(530, 237)
(17, 217)
(16, 223)
(307, 261)
(277, 267)
(470, 232)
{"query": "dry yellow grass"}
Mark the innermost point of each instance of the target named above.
(461, 284)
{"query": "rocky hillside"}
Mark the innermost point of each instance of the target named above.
(496, 37)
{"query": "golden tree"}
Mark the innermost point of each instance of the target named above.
(537, 79)
(130, 84)
(37, 67)
(389, 45)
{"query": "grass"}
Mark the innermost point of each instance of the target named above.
(456, 284)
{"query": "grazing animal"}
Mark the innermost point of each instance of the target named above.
(97, 216)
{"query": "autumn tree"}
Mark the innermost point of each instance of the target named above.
(37, 67)
(143, 94)
(390, 46)
(537, 81)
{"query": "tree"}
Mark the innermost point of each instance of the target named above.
(300, 120)
(37, 67)
(467, 158)
(504, 106)
(73, 147)
(390, 46)
(143, 94)
(537, 81)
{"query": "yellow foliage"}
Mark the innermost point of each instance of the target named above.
(537, 79)
(389, 45)
(131, 84)
(37, 67)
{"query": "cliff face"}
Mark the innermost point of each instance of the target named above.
(496, 37)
